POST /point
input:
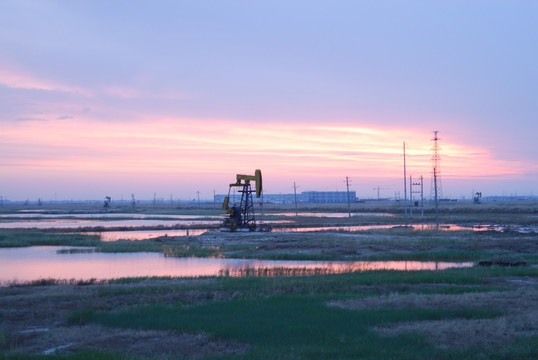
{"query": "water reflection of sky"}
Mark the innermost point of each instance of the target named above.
(330, 214)
(87, 222)
(44, 262)
(110, 216)
(78, 223)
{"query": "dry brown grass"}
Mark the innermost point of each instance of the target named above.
(35, 320)
(140, 343)
(520, 319)
(359, 244)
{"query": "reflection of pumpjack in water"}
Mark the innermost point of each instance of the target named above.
(242, 216)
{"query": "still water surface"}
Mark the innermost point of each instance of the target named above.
(45, 262)
(332, 214)
(26, 215)
(80, 223)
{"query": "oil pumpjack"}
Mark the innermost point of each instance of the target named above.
(241, 216)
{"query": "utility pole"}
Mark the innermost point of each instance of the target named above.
(405, 184)
(421, 195)
(295, 195)
(154, 199)
(348, 201)
(410, 195)
(377, 188)
(198, 193)
(421, 192)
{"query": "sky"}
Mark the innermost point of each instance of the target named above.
(168, 98)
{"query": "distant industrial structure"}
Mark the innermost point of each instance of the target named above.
(317, 197)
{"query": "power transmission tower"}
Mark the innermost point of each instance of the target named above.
(436, 186)
(436, 189)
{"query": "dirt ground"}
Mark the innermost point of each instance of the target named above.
(362, 244)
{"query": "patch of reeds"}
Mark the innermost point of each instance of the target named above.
(262, 283)
(54, 282)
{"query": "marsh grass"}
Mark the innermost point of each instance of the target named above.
(81, 355)
(21, 238)
(54, 282)
(288, 318)
(165, 247)
(457, 281)
(158, 246)
(291, 325)
(3, 341)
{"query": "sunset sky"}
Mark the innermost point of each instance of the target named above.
(129, 97)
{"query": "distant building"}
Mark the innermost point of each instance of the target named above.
(328, 196)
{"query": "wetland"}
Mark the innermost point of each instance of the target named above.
(283, 311)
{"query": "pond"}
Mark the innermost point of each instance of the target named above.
(26, 215)
(25, 221)
(46, 262)
(331, 214)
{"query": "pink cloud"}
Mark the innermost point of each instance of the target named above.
(188, 146)
(21, 79)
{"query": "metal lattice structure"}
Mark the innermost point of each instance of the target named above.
(247, 208)
(436, 190)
